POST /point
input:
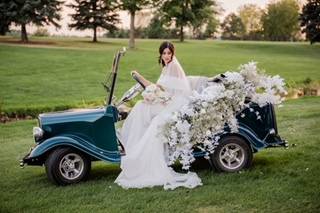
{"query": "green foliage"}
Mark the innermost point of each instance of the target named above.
(38, 12)
(92, 14)
(205, 12)
(211, 28)
(157, 29)
(120, 33)
(135, 5)
(4, 18)
(132, 6)
(41, 32)
(281, 20)
(184, 13)
(308, 80)
(310, 20)
(232, 27)
(250, 15)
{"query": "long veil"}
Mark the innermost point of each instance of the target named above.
(173, 78)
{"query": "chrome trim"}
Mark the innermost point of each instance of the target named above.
(271, 132)
(37, 133)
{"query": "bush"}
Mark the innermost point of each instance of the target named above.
(121, 33)
(41, 32)
(14, 33)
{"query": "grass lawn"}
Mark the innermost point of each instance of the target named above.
(280, 180)
(59, 73)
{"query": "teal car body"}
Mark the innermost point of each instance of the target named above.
(92, 131)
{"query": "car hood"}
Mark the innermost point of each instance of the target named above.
(88, 115)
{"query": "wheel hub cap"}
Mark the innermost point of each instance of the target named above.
(71, 166)
(231, 156)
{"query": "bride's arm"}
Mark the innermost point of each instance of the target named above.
(144, 81)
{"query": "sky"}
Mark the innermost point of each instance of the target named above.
(232, 5)
(228, 6)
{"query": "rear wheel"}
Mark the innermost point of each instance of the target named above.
(67, 166)
(232, 155)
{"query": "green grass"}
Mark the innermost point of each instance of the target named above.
(280, 180)
(66, 72)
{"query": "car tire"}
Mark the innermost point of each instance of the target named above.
(232, 155)
(66, 166)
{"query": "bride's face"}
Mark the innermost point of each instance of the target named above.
(166, 55)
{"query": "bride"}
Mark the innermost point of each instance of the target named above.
(144, 164)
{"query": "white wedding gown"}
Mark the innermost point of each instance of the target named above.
(144, 164)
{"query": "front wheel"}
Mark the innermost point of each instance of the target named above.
(232, 154)
(67, 166)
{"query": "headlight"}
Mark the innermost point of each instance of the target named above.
(37, 133)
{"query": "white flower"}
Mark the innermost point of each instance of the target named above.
(153, 94)
(202, 119)
(204, 104)
(233, 77)
(202, 111)
(183, 126)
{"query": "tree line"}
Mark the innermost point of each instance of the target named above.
(280, 21)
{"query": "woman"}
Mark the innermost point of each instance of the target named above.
(144, 164)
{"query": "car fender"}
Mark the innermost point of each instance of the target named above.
(77, 143)
(253, 140)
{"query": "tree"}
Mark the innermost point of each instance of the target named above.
(133, 6)
(4, 18)
(92, 14)
(250, 15)
(4, 26)
(211, 28)
(156, 28)
(232, 27)
(281, 20)
(38, 12)
(183, 13)
(204, 12)
(310, 20)
(178, 12)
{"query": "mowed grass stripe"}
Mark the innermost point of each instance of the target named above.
(70, 73)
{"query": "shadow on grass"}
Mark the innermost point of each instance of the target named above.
(30, 42)
(108, 172)
(99, 42)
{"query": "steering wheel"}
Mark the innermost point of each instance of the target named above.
(136, 78)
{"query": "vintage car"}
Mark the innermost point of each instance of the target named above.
(67, 142)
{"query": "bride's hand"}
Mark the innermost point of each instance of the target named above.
(141, 78)
(137, 75)
(161, 87)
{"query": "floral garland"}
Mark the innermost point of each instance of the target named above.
(198, 123)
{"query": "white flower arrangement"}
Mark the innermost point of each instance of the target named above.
(153, 94)
(200, 122)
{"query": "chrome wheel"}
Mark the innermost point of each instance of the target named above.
(232, 156)
(71, 166)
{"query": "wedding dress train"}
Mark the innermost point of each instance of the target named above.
(144, 164)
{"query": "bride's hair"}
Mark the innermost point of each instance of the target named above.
(163, 46)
